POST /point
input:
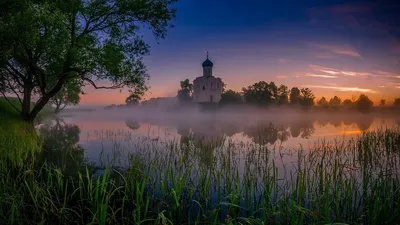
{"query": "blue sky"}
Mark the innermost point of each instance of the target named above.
(335, 47)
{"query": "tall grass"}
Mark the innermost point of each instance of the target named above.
(191, 182)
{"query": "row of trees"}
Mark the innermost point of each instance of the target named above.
(269, 94)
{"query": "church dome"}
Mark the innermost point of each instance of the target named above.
(207, 63)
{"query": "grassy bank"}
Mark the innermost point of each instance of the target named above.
(187, 182)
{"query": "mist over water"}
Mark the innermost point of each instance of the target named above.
(103, 131)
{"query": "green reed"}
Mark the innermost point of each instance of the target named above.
(194, 182)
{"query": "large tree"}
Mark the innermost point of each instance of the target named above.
(68, 95)
(307, 98)
(323, 102)
(260, 93)
(283, 95)
(186, 91)
(295, 95)
(363, 103)
(335, 102)
(46, 44)
(231, 97)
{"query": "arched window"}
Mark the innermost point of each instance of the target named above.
(204, 87)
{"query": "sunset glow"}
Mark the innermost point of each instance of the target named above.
(334, 49)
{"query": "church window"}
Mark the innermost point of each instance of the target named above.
(204, 87)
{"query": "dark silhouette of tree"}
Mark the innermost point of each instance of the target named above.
(307, 98)
(260, 93)
(61, 147)
(335, 102)
(132, 124)
(231, 97)
(304, 128)
(295, 96)
(262, 134)
(134, 97)
(283, 95)
(323, 103)
(44, 45)
(382, 102)
(68, 95)
(186, 91)
(363, 103)
(396, 103)
(347, 103)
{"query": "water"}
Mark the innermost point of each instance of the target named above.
(109, 136)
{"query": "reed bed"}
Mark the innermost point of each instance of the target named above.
(188, 181)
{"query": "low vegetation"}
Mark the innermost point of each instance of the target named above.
(47, 181)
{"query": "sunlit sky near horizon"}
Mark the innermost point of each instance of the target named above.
(341, 48)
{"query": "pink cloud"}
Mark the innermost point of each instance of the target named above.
(281, 77)
(344, 89)
(320, 75)
(337, 49)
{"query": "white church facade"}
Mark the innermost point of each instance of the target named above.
(207, 88)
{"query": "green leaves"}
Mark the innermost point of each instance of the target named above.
(45, 45)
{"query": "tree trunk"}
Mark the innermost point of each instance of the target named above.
(26, 104)
(45, 99)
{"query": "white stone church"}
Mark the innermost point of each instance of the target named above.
(207, 88)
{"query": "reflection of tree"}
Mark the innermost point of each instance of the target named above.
(364, 123)
(305, 129)
(60, 146)
(132, 124)
(266, 133)
(323, 122)
(336, 122)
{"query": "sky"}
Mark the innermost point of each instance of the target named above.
(333, 47)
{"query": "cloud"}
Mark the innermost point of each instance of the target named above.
(337, 71)
(281, 77)
(324, 56)
(320, 75)
(337, 49)
(381, 86)
(345, 89)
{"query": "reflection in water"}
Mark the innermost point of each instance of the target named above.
(132, 124)
(61, 146)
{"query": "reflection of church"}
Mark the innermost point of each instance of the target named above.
(207, 88)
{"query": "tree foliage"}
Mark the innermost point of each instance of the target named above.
(261, 93)
(68, 95)
(335, 102)
(231, 97)
(46, 44)
(295, 95)
(363, 103)
(283, 95)
(186, 91)
(323, 102)
(306, 98)
(134, 97)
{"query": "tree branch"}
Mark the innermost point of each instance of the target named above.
(103, 87)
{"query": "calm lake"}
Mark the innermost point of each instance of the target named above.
(108, 136)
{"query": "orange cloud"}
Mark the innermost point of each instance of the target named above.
(281, 77)
(345, 89)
